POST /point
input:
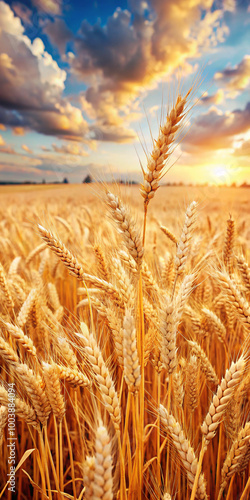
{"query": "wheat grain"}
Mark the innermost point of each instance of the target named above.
(185, 451)
(4, 286)
(221, 399)
(184, 242)
(54, 390)
(103, 377)
(127, 227)
(235, 455)
(156, 161)
(132, 370)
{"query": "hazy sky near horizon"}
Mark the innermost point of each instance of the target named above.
(83, 85)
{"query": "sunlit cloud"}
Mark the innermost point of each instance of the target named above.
(27, 149)
(38, 97)
(236, 78)
(49, 6)
(128, 55)
(70, 149)
(216, 98)
(215, 130)
(8, 150)
(18, 131)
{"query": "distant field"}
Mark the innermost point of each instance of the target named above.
(28, 187)
(168, 199)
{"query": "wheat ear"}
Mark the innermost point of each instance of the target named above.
(72, 264)
(22, 409)
(103, 482)
(27, 307)
(169, 234)
(102, 263)
(235, 456)
(5, 287)
(127, 227)
(184, 450)
(236, 299)
(53, 390)
(7, 353)
(245, 271)
(205, 364)
(103, 377)
(192, 382)
(157, 159)
(13, 269)
(34, 387)
(183, 295)
(88, 477)
(214, 324)
(178, 388)
(221, 399)
(66, 352)
(3, 421)
(73, 376)
(228, 247)
(168, 330)
(53, 296)
(62, 252)
(25, 341)
(35, 252)
(132, 369)
(184, 242)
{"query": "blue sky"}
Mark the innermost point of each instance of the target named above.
(83, 85)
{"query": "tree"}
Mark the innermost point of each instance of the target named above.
(65, 180)
(87, 179)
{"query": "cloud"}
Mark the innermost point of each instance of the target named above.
(216, 98)
(31, 84)
(237, 78)
(18, 131)
(58, 33)
(23, 12)
(6, 149)
(214, 130)
(122, 59)
(48, 6)
(2, 141)
(70, 149)
(27, 149)
(243, 150)
(2, 127)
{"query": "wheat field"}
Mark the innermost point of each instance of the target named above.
(125, 323)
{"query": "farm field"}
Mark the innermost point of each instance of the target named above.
(129, 363)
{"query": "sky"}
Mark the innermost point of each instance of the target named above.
(84, 87)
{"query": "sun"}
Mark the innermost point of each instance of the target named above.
(220, 171)
(219, 174)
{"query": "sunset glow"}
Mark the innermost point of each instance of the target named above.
(81, 84)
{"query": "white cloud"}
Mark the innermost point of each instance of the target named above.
(32, 83)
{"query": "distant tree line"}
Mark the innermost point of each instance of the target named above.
(88, 179)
